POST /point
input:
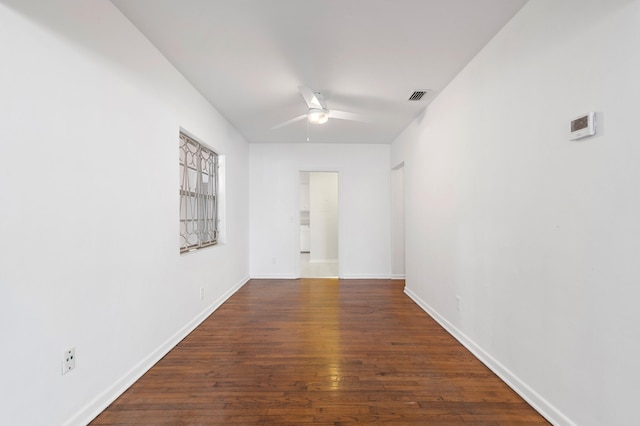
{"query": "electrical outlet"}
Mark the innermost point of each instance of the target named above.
(68, 360)
(458, 303)
(201, 293)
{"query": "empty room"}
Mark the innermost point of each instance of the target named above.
(342, 212)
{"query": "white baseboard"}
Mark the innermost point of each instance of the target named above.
(259, 276)
(273, 276)
(364, 277)
(102, 401)
(397, 276)
(541, 405)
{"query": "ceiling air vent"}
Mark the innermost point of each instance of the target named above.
(417, 95)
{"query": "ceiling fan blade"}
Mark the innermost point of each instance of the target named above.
(310, 97)
(343, 115)
(320, 98)
(293, 120)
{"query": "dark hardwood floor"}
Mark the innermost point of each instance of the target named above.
(322, 352)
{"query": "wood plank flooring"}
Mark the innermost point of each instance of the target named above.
(322, 352)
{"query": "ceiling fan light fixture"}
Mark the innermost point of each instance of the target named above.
(318, 116)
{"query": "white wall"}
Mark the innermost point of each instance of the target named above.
(538, 235)
(364, 203)
(89, 120)
(323, 190)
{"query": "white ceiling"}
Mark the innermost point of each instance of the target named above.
(248, 57)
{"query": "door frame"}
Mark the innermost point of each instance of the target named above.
(337, 170)
(398, 170)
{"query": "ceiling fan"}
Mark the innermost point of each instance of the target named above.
(318, 112)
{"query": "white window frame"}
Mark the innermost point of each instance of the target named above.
(199, 202)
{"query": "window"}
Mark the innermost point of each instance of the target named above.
(198, 195)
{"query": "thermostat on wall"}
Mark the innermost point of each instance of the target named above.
(583, 126)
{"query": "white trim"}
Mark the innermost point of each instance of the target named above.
(541, 405)
(103, 400)
(261, 276)
(365, 277)
(397, 276)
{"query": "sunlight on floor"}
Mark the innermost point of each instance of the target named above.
(317, 270)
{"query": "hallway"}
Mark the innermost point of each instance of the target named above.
(319, 351)
(310, 269)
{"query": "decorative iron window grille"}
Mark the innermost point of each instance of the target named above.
(198, 195)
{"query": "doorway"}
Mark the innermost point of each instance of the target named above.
(318, 224)
(397, 223)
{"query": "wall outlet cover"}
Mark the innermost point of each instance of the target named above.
(68, 360)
